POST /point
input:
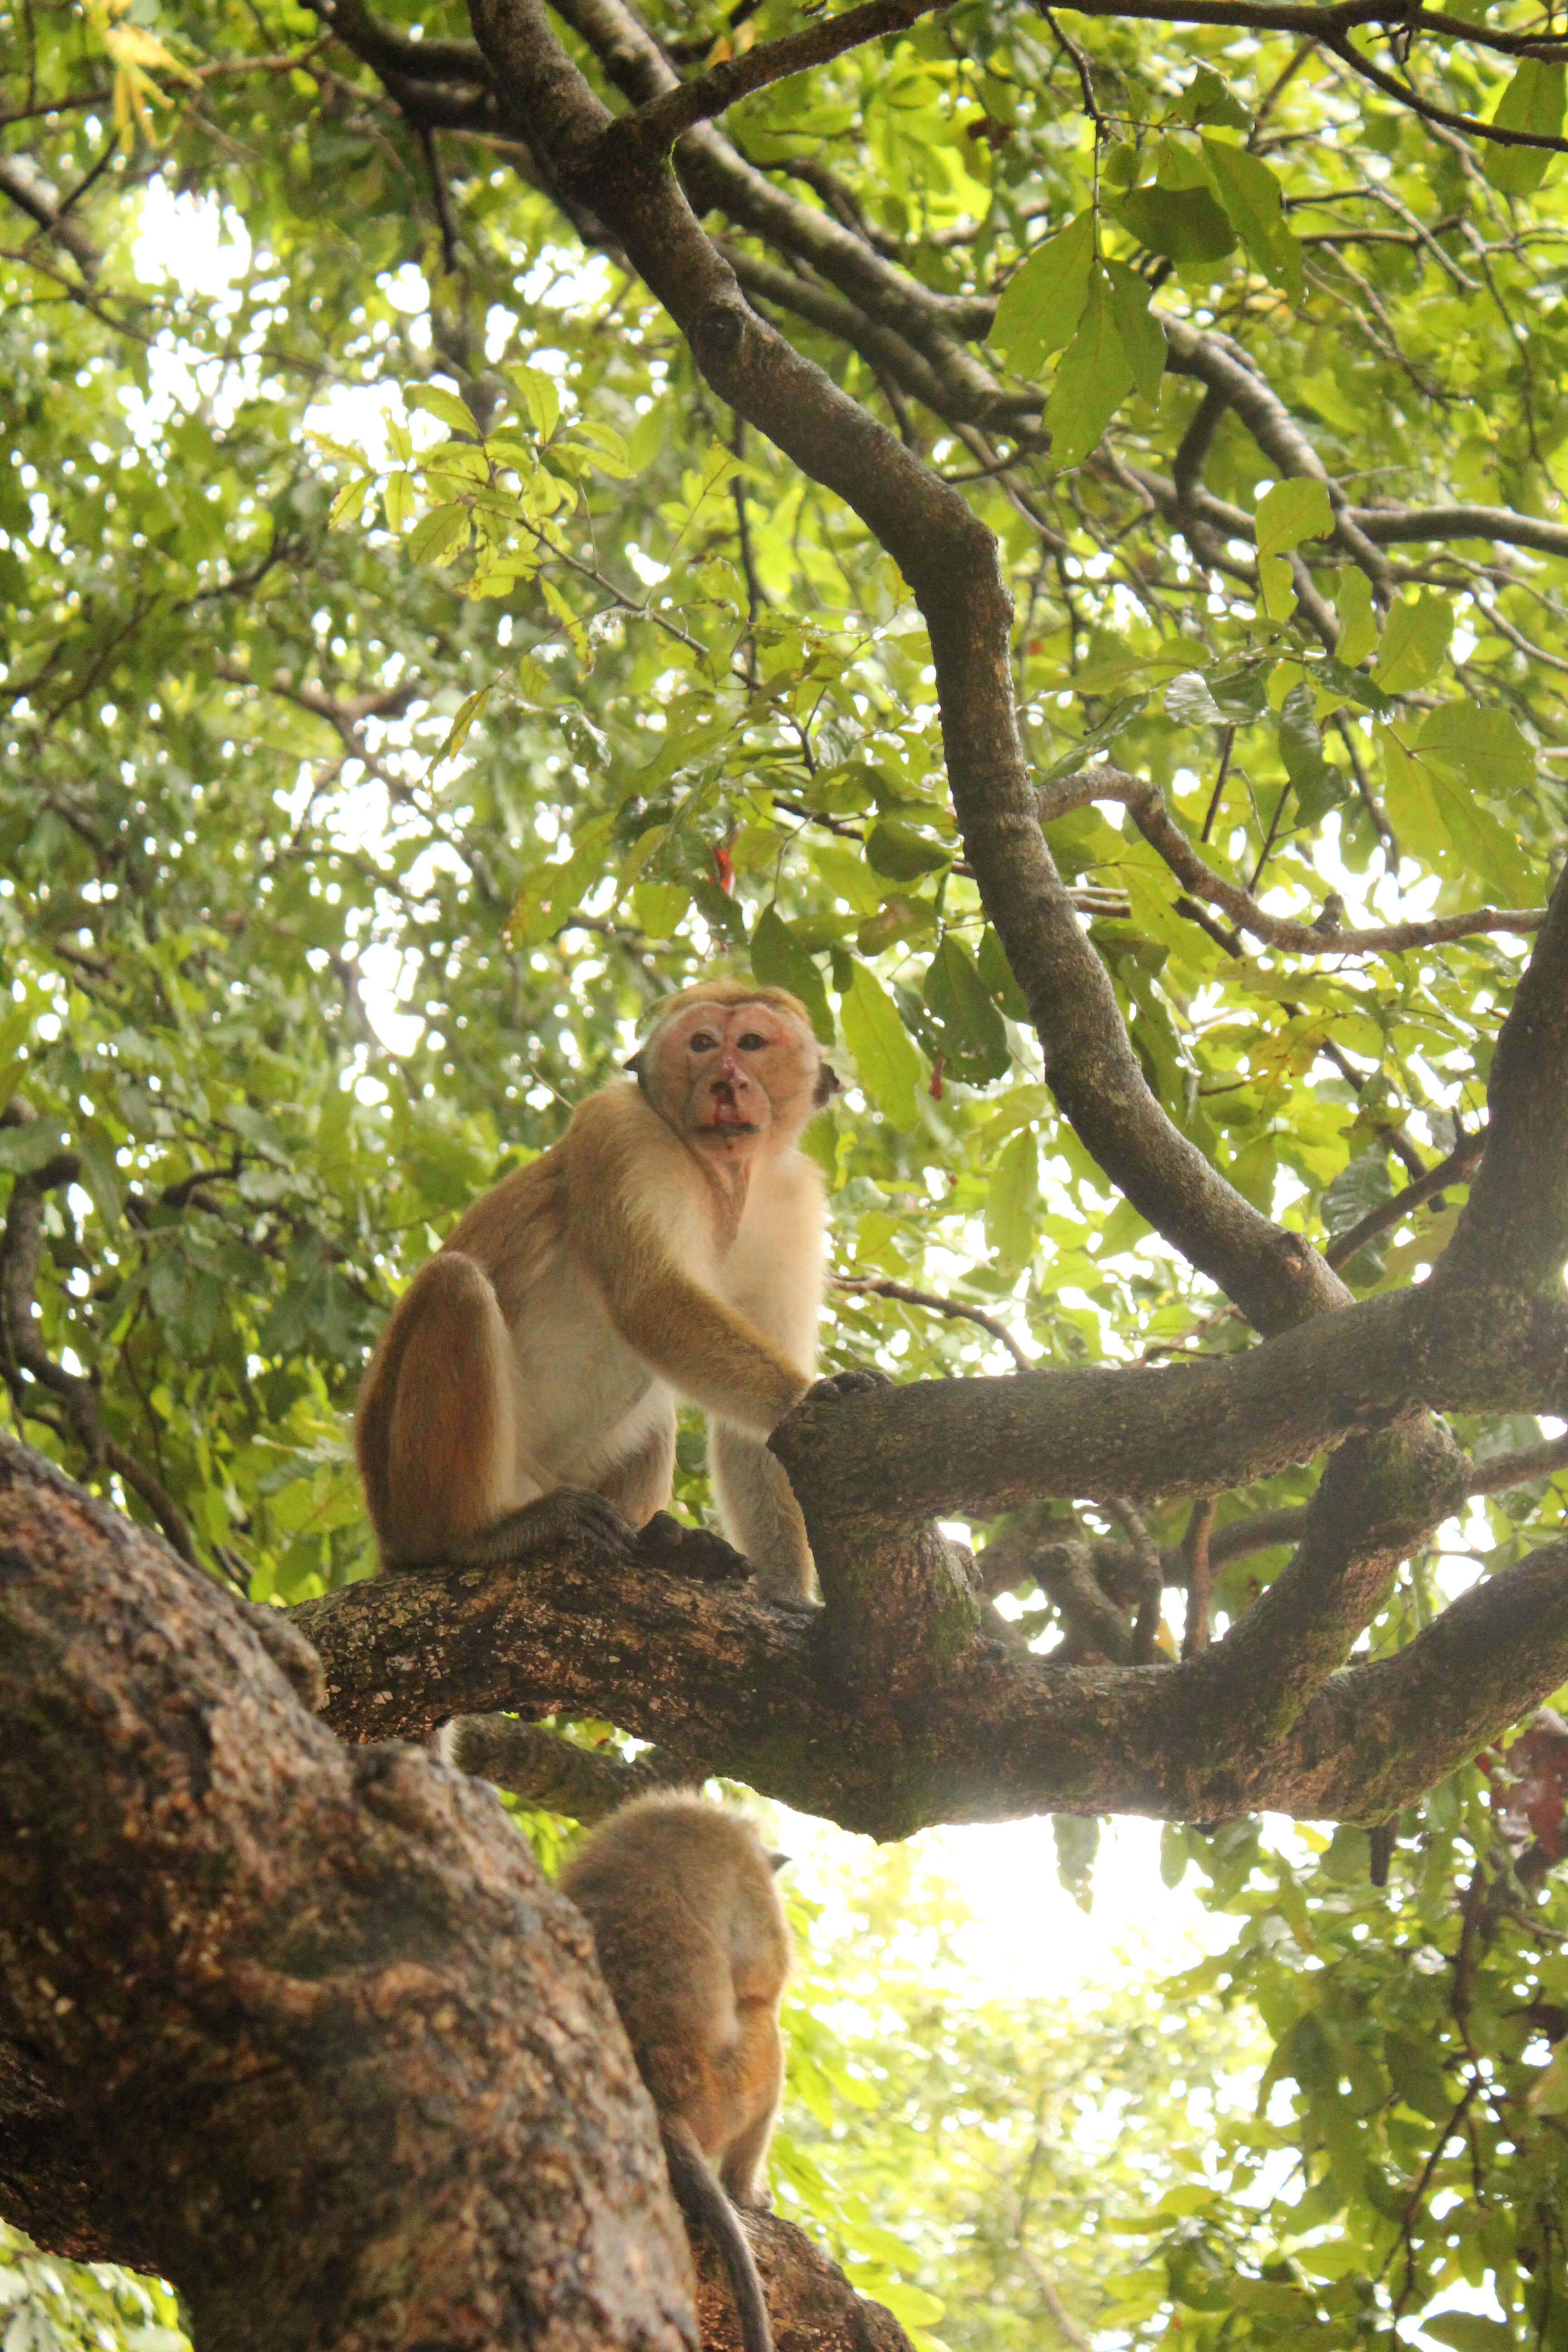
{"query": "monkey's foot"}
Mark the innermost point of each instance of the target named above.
(692, 1551)
(567, 1515)
(854, 1382)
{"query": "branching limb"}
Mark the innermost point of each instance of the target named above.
(882, 1286)
(661, 121)
(1145, 803)
(1457, 1168)
(991, 1733)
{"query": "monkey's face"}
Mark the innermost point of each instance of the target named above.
(735, 1080)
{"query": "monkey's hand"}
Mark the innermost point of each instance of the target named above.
(854, 1382)
(692, 1551)
(569, 1518)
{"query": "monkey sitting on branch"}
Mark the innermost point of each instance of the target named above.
(693, 1944)
(669, 1244)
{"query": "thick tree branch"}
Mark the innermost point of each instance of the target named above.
(280, 2003)
(740, 1687)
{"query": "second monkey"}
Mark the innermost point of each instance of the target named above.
(670, 1244)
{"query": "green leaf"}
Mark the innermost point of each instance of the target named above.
(977, 1038)
(439, 535)
(1142, 339)
(349, 503)
(1013, 1202)
(1187, 700)
(1533, 101)
(1469, 2331)
(540, 398)
(1291, 511)
(1318, 786)
(1415, 642)
(1183, 224)
(997, 974)
(659, 906)
(779, 960)
(1252, 198)
(1077, 1839)
(1092, 380)
(445, 406)
(1430, 787)
(887, 1060)
(1206, 99)
(1042, 304)
(897, 851)
(1358, 621)
(457, 735)
(24, 1149)
(397, 498)
(1481, 744)
(100, 1174)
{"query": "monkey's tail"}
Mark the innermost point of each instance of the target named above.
(703, 2200)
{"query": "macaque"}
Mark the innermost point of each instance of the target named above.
(669, 1244)
(693, 1944)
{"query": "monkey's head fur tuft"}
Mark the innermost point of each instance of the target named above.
(735, 1069)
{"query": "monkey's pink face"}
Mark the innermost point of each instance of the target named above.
(740, 1072)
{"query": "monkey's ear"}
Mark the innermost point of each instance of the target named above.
(829, 1083)
(635, 1065)
(778, 1861)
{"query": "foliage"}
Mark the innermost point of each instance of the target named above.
(411, 672)
(49, 2306)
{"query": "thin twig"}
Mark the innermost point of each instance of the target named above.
(884, 1289)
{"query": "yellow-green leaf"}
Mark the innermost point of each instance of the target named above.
(1533, 101)
(1414, 640)
(887, 1059)
(1012, 1205)
(1093, 379)
(1358, 621)
(444, 406)
(1042, 304)
(1286, 514)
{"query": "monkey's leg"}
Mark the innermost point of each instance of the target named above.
(453, 1473)
(758, 1512)
(753, 2071)
(640, 1485)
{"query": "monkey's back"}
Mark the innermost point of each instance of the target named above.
(689, 1931)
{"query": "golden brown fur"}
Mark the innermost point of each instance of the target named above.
(693, 1944)
(670, 1245)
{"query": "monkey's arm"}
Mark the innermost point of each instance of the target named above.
(774, 1275)
(639, 1222)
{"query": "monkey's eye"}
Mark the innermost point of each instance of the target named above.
(750, 1042)
(702, 1043)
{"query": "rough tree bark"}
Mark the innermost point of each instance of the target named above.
(300, 2026)
(289, 2018)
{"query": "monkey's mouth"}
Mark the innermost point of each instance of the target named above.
(728, 1117)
